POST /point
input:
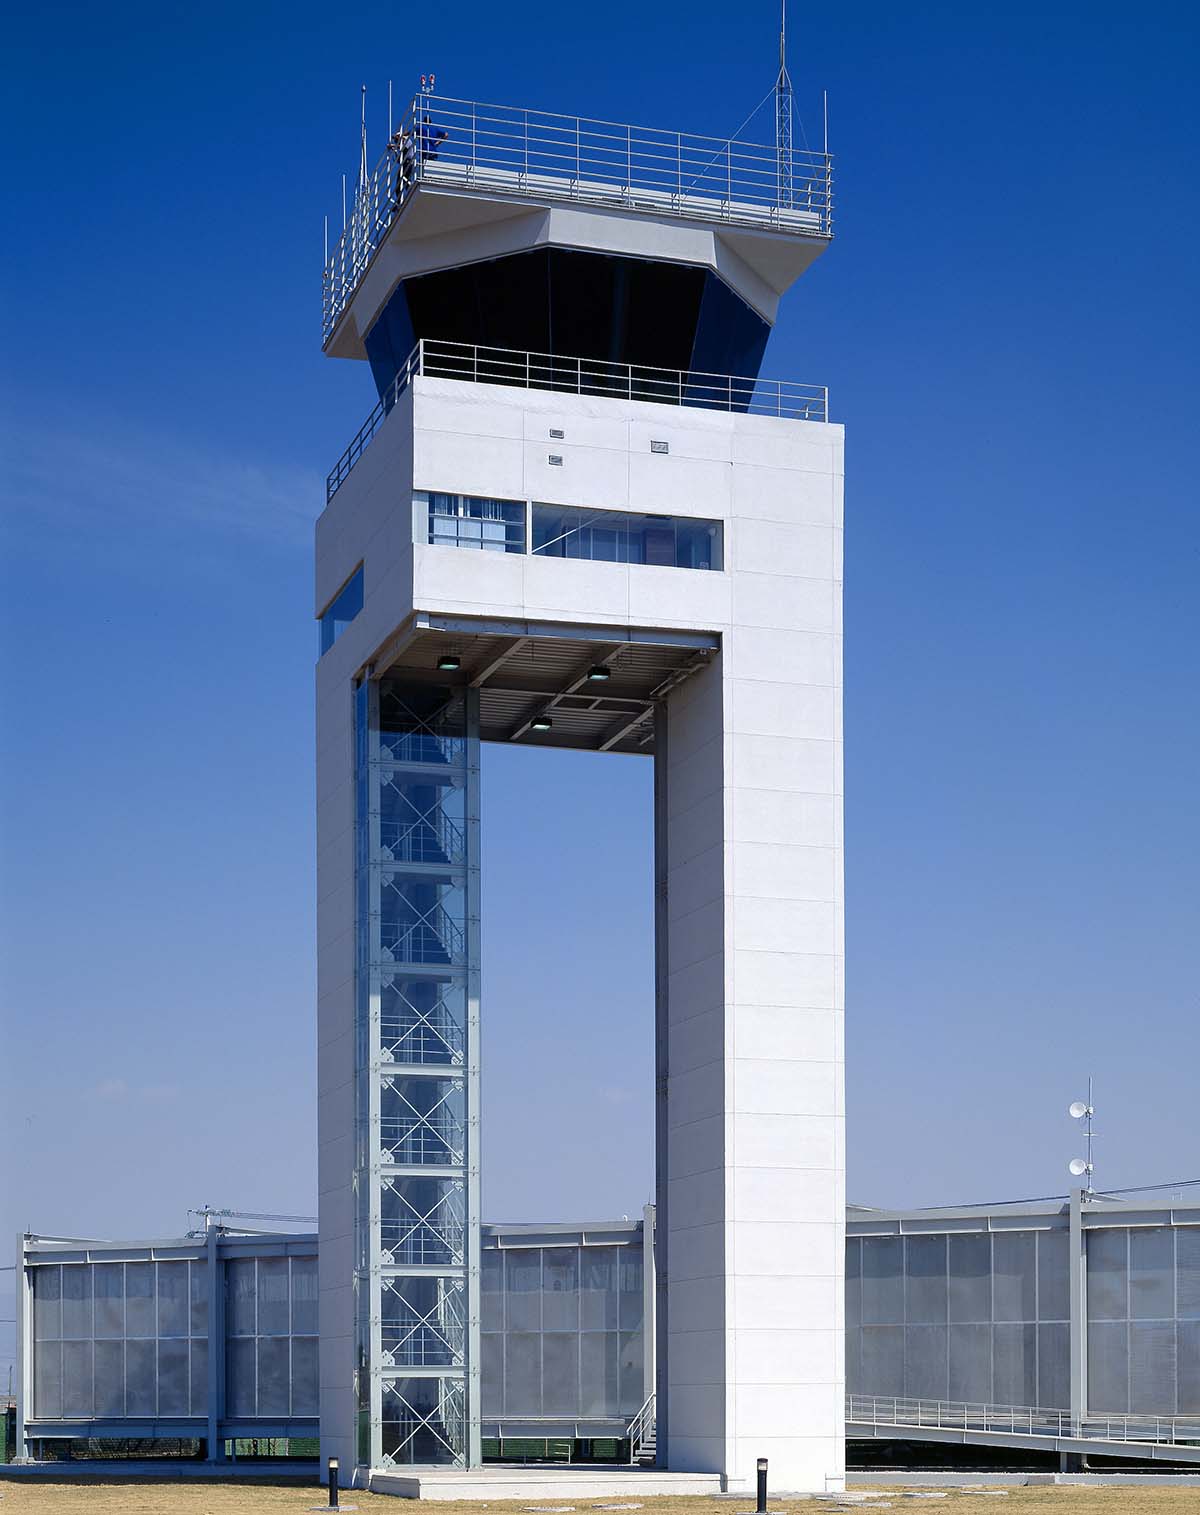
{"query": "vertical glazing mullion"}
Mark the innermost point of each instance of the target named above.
(372, 1081)
(474, 1450)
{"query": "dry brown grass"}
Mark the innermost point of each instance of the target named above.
(20, 1498)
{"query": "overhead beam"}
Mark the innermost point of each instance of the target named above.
(575, 680)
(623, 728)
(396, 646)
(535, 688)
(482, 675)
(559, 631)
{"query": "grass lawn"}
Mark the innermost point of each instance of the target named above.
(18, 1497)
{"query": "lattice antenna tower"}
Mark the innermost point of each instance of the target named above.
(783, 114)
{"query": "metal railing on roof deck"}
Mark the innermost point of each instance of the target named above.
(585, 376)
(1018, 1420)
(502, 149)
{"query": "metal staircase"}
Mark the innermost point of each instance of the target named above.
(642, 1433)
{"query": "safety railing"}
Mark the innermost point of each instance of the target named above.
(585, 376)
(463, 144)
(433, 937)
(432, 838)
(642, 1429)
(1018, 1420)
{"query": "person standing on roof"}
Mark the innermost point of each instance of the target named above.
(432, 138)
(402, 149)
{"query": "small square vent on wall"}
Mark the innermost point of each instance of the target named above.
(660, 447)
(555, 460)
(556, 434)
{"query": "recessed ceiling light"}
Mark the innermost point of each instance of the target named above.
(449, 663)
(541, 723)
(599, 673)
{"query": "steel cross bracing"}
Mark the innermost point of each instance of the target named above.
(433, 1420)
(422, 1137)
(432, 1035)
(425, 934)
(423, 834)
(421, 1236)
(440, 1329)
(418, 1164)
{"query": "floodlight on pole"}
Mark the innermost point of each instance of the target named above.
(1079, 1110)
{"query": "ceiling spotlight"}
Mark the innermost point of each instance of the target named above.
(599, 673)
(449, 662)
(541, 723)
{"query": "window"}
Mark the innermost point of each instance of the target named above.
(612, 536)
(345, 606)
(459, 520)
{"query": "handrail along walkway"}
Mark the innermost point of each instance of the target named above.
(585, 376)
(467, 145)
(1019, 1420)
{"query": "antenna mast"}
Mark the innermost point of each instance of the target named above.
(783, 115)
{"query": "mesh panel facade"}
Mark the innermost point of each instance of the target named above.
(1143, 1334)
(970, 1317)
(133, 1339)
(120, 1339)
(562, 1332)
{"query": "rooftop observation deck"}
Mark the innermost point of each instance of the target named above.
(464, 146)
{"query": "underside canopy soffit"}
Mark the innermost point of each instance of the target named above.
(597, 686)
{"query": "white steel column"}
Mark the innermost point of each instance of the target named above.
(1078, 1306)
(23, 1299)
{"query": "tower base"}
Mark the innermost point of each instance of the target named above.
(555, 1484)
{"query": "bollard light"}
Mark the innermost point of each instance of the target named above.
(333, 1483)
(762, 1486)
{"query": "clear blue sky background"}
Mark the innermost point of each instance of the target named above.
(1008, 323)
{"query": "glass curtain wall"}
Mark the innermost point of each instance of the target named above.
(417, 1161)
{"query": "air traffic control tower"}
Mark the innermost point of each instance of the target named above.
(578, 518)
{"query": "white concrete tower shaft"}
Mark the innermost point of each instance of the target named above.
(574, 466)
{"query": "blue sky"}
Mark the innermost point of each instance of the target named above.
(1007, 322)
